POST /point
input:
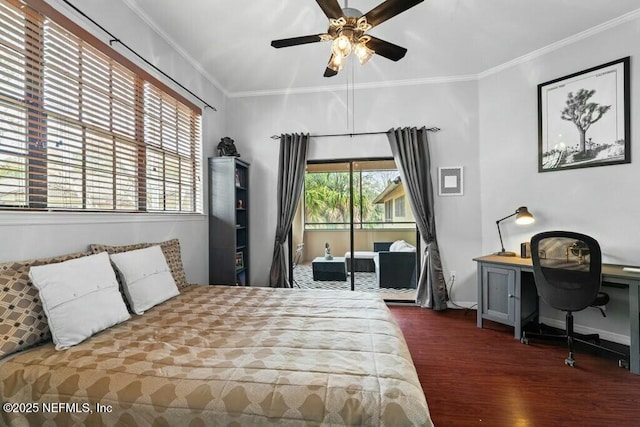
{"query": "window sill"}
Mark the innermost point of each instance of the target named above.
(8, 218)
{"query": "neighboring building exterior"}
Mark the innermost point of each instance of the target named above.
(396, 205)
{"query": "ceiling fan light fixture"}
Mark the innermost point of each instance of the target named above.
(341, 46)
(336, 62)
(348, 29)
(363, 53)
(362, 24)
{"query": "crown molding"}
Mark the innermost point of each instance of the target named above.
(131, 4)
(634, 14)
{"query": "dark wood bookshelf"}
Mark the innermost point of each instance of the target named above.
(228, 221)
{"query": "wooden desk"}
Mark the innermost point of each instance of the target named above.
(505, 295)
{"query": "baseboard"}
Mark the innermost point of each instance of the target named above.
(557, 323)
(605, 335)
(458, 305)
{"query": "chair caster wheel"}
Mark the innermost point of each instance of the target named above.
(623, 364)
(524, 340)
(569, 362)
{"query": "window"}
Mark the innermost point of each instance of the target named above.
(82, 128)
(327, 200)
(399, 207)
(374, 184)
(388, 210)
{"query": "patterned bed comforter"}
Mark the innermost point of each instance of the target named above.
(227, 356)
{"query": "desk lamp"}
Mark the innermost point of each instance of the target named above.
(523, 217)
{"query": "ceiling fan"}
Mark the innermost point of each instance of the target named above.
(348, 33)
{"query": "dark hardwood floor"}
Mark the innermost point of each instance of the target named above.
(484, 377)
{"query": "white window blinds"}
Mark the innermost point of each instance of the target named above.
(81, 131)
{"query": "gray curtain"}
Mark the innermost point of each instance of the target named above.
(411, 152)
(293, 161)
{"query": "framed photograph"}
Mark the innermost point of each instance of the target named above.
(584, 118)
(450, 181)
(239, 260)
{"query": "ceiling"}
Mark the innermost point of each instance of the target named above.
(446, 39)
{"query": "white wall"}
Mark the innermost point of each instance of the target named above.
(27, 235)
(601, 201)
(451, 106)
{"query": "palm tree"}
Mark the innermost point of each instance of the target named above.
(327, 196)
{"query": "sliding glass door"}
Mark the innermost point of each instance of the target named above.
(354, 230)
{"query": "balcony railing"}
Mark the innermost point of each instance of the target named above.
(370, 225)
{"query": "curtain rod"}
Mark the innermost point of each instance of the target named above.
(117, 40)
(351, 135)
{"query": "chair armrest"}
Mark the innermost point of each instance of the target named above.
(381, 246)
(387, 257)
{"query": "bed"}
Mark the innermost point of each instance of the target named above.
(226, 356)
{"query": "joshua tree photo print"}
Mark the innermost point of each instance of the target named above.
(583, 119)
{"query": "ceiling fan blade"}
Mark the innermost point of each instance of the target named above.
(388, 50)
(331, 8)
(328, 72)
(389, 9)
(294, 41)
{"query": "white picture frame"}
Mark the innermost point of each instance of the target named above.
(450, 181)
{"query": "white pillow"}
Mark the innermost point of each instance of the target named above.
(401, 246)
(80, 297)
(394, 245)
(146, 277)
(406, 247)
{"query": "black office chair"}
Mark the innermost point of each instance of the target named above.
(567, 268)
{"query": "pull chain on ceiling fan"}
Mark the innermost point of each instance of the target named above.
(348, 33)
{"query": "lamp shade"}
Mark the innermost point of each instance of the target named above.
(336, 62)
(363, 53)
(523, 216)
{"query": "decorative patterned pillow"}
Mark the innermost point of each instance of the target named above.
(22, 320)
(170, 249)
